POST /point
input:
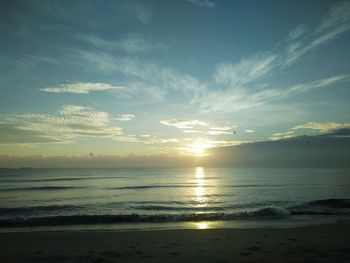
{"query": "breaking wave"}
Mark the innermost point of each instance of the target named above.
(317, 207)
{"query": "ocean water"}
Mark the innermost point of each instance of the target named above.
(171, 197)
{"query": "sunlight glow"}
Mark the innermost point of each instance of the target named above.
(198, 149)
(202, 225)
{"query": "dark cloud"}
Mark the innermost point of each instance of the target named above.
(340, 132)
(330, 150)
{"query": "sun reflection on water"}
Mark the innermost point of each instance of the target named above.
(202, 225)
(199, 172)
(200, 196)
(199, 189)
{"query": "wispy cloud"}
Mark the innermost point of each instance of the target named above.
(196, 126)
(282, 135)
(249, 131)
(228, 100)
(246, 71)
(323, 126)
(141, 10)
(203, 3)
(132, 43)
(68, 123)
(149, 139)
(339, 14)
(282, 93)
(217, 132)
(336, 22)
(81, 88)
(125, 117)
(297, 32)
(223, 128)
(183, 124)
(144, 75)
(240, 82)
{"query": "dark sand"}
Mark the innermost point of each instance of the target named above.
(325, 243)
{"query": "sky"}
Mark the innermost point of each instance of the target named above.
(140, 78)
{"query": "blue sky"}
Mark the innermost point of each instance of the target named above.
(165, 77)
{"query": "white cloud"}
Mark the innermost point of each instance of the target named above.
(196, 126)
(323, 126)
(125, 117)
(203, 3)
(81, 88)
(183, 124)
(217, 132)
(208, 132)
(249, 131)
(224, 128)
(282, 135)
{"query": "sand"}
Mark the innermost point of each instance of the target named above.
(324, 243)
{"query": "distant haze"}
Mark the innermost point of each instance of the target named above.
(305, 151)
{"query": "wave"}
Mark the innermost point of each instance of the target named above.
(212, 213)
(139, 187)
(189, 185)
(199, 206)
(270, 212)
(37, 210)
(323, 207)
(40, 188)
(178, 208)
(60, 179)
(332, 203)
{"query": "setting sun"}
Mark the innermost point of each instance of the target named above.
(199, 149)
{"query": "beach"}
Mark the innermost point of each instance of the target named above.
(320, 243)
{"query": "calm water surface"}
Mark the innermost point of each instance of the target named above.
(30, 197)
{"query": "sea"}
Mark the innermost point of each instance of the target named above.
(171, 198)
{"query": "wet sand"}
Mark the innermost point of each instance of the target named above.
(324, 243)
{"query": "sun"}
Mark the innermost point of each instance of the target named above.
(198, 149)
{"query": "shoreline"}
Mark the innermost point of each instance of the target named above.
(244, 223)
(318, 243)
